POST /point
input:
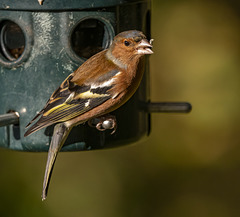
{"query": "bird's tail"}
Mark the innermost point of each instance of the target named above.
(59, 136)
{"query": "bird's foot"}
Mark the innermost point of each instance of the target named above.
(105, 122)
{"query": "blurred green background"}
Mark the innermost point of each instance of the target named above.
(190, 164)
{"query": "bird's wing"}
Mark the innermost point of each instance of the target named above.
(71, 100)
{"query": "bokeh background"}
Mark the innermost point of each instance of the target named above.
(190, 164)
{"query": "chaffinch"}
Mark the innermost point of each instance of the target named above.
(100, 85)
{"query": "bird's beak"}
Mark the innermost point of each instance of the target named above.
(144, 47)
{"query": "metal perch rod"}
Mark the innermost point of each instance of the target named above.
(168, 107)
(160, 107)
(9, 118)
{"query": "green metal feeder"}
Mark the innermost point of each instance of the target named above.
(40, 44)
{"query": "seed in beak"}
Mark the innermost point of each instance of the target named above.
(144, 47)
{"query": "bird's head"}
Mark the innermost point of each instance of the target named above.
(134, 42)
(130, 45)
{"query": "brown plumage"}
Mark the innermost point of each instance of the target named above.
(100, 85)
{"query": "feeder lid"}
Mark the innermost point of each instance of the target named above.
(53, 5)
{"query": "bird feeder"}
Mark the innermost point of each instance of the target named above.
(42, 42)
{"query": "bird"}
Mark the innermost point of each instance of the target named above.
(103, 83)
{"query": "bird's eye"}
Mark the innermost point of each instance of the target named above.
(127, 43)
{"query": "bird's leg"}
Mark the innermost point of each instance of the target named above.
(60, 134)
(105, 122)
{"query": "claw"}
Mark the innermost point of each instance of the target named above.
(106, 122)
